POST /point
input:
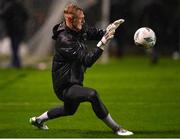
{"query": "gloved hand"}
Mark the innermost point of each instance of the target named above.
(110, 31)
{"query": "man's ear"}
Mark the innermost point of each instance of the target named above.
(68, 17)
(70, 20)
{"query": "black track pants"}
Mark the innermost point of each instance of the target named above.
(73, 97)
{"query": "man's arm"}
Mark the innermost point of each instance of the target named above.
(94, 33)
(72, 51)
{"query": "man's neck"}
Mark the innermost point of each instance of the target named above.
(70, 26)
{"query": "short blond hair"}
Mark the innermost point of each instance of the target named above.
(71, 10)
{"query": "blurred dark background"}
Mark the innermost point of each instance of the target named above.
(163, 16)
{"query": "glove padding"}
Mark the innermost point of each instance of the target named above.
(110, 31)
(115, 25)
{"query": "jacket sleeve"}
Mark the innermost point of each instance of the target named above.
(94, 33)
(71, 50)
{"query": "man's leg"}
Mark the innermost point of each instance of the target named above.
(82, 94)
(77, 94)
(69, 108)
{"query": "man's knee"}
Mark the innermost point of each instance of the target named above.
(93, 94)
(70, 107)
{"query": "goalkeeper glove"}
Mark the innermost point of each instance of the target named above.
(110, 31)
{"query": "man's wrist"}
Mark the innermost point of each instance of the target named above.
(100, 45)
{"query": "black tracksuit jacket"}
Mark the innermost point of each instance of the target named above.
(72, 57)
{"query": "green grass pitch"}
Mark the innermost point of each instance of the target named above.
(142, 98)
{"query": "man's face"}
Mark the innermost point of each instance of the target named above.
(79, 20)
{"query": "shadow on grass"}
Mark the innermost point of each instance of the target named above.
(98, 133)
(54, 133)
(84, 133)
(78, 133)
(158, 133)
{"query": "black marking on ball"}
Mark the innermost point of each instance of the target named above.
(148, 29)
(148, 39)
(136, 35)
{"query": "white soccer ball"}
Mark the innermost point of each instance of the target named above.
(145, 37)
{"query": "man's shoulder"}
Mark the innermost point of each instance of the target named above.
(65, 37)
(60, 33)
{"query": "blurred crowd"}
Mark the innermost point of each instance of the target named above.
(163, 16)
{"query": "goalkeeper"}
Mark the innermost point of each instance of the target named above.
(70, 62)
